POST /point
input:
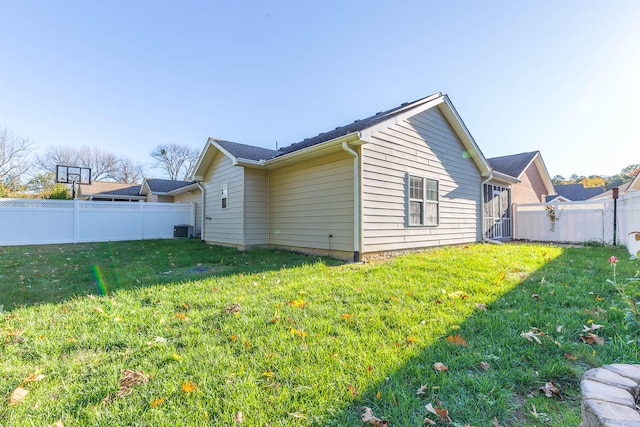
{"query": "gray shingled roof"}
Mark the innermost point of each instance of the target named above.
(248, 152)
(356, 126)
(512, 165)
(166, 185)
(577, 192)
(134, 190)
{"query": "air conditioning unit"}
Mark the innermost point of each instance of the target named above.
(182, 231)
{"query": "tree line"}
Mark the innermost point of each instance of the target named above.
(23, 173)
(606, 182)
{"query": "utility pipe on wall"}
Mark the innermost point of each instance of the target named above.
(201, 187)
(356, 201)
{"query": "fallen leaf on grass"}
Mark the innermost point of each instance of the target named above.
(495, 422)
(188, 387)
(298, 415)
(298, 332)
(439, 366)
(157, 340)
(33, 378)
(18, 395)
(457, 340)
(58, 424)
(591, 338)
(368, 417)
(298, 303)
(596, 311)
(550, 390)
(482, 307)
(129, 379)
(458, 294)
(182, 316)
(157, 402)
(347, 315)
(353, 390)
(484, 366)
(533, 334)
(422, 391)
(442, 413)
(570, 356)
(412, 340)
(238, 417)
(233, 308)
(536, 296)
(593, 327)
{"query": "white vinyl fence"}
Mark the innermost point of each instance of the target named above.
(579, 222)
(29, 222)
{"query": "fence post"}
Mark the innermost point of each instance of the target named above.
(141, 221)
(76, 221)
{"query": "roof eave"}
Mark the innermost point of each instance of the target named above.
(543, 172)
(180, 190)
(504, 178)
(354, 138)
(454, 119)
(206, 157)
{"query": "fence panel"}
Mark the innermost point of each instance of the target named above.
(579, 222)
(27, 222)
(630, 225)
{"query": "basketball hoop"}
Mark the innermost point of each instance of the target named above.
(73, 175)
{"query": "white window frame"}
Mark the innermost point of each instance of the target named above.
(224, 196)
(422, 196)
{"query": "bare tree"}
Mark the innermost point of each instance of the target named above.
(177, 161)
(14, 158)
(104, 166)
(128, 172)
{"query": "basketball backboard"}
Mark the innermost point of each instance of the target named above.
(73, 174)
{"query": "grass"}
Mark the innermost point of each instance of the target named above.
(290, 340)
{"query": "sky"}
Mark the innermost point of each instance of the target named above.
(561, 77)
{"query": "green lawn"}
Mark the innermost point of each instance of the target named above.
(179, 333)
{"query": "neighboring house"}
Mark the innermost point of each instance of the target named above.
(526, 181)
(633, 185)
(404, 179)
(110, 191)
(151, 190)
(574, 193)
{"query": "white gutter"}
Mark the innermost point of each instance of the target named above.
(356, 201)
(314, 149)
(201, 211)
(484, 238)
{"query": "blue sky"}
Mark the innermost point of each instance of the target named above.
(562, 77)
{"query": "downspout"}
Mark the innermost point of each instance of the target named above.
(201, 211)
(356, 201)
(484, 237)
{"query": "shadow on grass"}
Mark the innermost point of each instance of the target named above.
(31, 275)
(564, 294)
(495, 371)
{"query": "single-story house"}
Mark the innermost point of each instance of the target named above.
(151, 190)
(574, 193)
(527, 180)
(404, 179)
(110, 191)
(633, 185)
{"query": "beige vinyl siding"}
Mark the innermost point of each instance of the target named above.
(311, 200)
(424, 145)
(225, 225)
(256, 221)
(194, 197)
